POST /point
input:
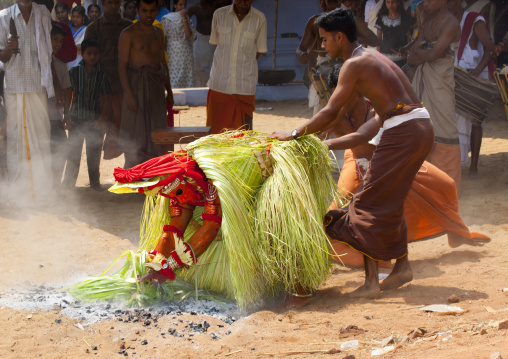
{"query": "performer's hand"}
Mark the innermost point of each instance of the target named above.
(132, 105)
(157, 278)
(183, 14)
(404, 50)
(12, 43)
(281, 136)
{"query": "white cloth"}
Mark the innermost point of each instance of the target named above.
(469, 60)
(369, 5)
(78, 37)
(400, 119)
(30, 180)
(472, 57)
(373, 15)
(203, 59)
(30, 70)
(235, 68)
(179, 49)
(478, 6)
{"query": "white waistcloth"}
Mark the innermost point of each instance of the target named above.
(397, 120)
(30, 178)
(235, 67)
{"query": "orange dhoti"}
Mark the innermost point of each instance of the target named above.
(228, 112)
(431, 207)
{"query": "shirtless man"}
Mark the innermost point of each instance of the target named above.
(203, 50)
(374, 224)
(144, 76)
(434, 54)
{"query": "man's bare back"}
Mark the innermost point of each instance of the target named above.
(146, 47)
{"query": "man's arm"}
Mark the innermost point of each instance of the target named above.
(366, 132)
(124, 48)
(305, 46)
(7, 44)
(418, 55)
(365, 35)
(348, 78)
(483, 35)
(167, 82)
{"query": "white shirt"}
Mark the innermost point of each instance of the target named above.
(235, 68)
(22, 71)
(368, 8)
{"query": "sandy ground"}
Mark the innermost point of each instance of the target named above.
(49, 248)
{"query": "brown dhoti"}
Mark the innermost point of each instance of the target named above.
(228, 112)
(147, 84)
(374, 224)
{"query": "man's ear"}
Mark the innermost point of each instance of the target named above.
(338, 36)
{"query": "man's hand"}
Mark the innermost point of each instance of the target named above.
(169, 98)
(132, 105)
(12, 43)
(475, 72)
(155, 277)
(282, 136)
(67, 122)
(183, 14)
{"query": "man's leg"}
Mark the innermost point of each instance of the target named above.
(371, 288)
(476, 143)
(74, 149)
(400, 275)
(93, 139)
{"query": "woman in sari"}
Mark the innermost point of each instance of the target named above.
(179, 34)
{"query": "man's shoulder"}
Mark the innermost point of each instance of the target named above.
(7, 12)
(258, 13)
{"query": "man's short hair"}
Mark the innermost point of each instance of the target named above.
(48, 3)
(86, 43)
(57, 30)
(138, 2)
(339, 20)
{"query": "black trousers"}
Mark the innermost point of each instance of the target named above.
(93, 139)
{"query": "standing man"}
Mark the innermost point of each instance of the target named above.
(107, 30)
(203, 49)
(374, 224)
(28, 84)
(475, 53)
(434, 54)
(239, 31)
(144, 76)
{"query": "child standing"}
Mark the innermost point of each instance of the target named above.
(394, 27)
(58, 108)
(78, 27)
(89, 84)
(62, 12)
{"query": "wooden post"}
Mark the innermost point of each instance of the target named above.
(276, 14)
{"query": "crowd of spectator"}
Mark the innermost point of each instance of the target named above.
(104, 71)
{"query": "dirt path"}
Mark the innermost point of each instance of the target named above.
(54, 247)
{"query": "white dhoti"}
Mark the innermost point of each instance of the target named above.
(28, 148)
(203, 58)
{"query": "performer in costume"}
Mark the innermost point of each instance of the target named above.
(219, 196)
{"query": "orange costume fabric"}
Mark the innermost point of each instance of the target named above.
(225, 111)
(431, 207)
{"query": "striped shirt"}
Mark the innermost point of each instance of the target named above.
(235, 68)
(87, 89)
(22, 71)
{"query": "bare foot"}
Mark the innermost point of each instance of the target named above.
(400, 275)
(296, 302)
(473, 173)
(371, 291)
(454, 241)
